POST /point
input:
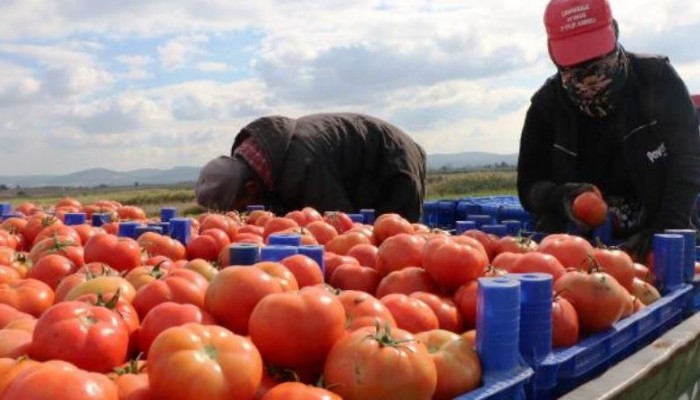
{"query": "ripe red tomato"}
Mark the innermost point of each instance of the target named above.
(342, 243)
(449, 318)
(572, 251)
(355, 277)
(565, 326)
(297, 330)
(410, 313)
(341, 221)
(515, 244)
(616, 263)
(298, 391)
(365, 254)
(465, 299)
(453, 262)
(378, 363)
(457, 363)
(590, 208)
(538, 262)
(399, 251)
(644, 291)
(166, 315)
(363, 309)
(407, 281)
(488, 241)
(306, 271)
(226, 365)
(277, 224)
(234, 292)
(388, 225)
(90, 337)
(598, 298)
(51, 268)
(179, 285)
(120, 253)
(14, 343)
(56, 379)
(27, 295)
(322, 231)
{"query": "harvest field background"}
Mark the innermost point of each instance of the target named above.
(441, 185)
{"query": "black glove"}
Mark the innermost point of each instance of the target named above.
(639, 245)
(552, 204)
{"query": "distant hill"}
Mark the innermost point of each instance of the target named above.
(105, 177)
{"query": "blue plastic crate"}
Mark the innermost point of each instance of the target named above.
(566, 369)
(502, 386)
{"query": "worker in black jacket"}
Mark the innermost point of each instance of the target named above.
(621, 121)
(332, 162)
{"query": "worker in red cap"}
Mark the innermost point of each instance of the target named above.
(620, 121)
(332, 162)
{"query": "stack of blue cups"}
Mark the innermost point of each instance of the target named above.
(167, 213)
(480, 219)
(5, 208)
(535, 316)
(357, 217)
(688, 252)
(284, 238)
(498, 324)
(315, 252)
(430, 213)
(463, 226)
(180, 229)
(99, 219)
(513, 226)
(277, 252)
(368, 215)
(668, 261)
(128, 229)
(74, 218)
(243, 254)
(499, 230)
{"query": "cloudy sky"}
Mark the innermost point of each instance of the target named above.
(129, 84)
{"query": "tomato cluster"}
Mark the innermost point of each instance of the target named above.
(87, 313)
(390, 313)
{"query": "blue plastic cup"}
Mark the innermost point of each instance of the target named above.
(141, 229)
(430, 213)
(128, 229)
(463, 226)
(604, 232)
(357, 217)
(5, 208)
(315, 252)
(499, 230)
(536, 316)
(180, 229)
(277, 252)
(243, 254)
(513, 226)
(284, 238)
(255, 207)
(368, 215)
(446, 213)
(480, 219)
(99, 219)
(497, 324)
(74, 218)
(167, 213)
(689, 236)
(668, 260)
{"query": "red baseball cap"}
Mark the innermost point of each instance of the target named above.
(579, 30)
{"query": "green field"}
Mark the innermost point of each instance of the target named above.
(441, 185)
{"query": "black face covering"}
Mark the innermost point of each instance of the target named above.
(595, 86)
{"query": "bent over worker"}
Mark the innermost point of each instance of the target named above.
(332, 162)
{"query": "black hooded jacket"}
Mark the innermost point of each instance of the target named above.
(649, 149)
(340, 162)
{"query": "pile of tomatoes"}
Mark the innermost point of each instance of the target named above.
(390, 314)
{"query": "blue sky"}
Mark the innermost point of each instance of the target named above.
(156, 84)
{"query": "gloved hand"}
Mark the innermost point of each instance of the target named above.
(639, 245)
(554, 208)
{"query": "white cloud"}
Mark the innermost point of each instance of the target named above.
(135, 84)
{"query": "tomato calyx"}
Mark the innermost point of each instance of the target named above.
(134, 366)
(384, 337)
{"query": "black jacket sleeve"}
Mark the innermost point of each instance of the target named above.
(678, 124)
